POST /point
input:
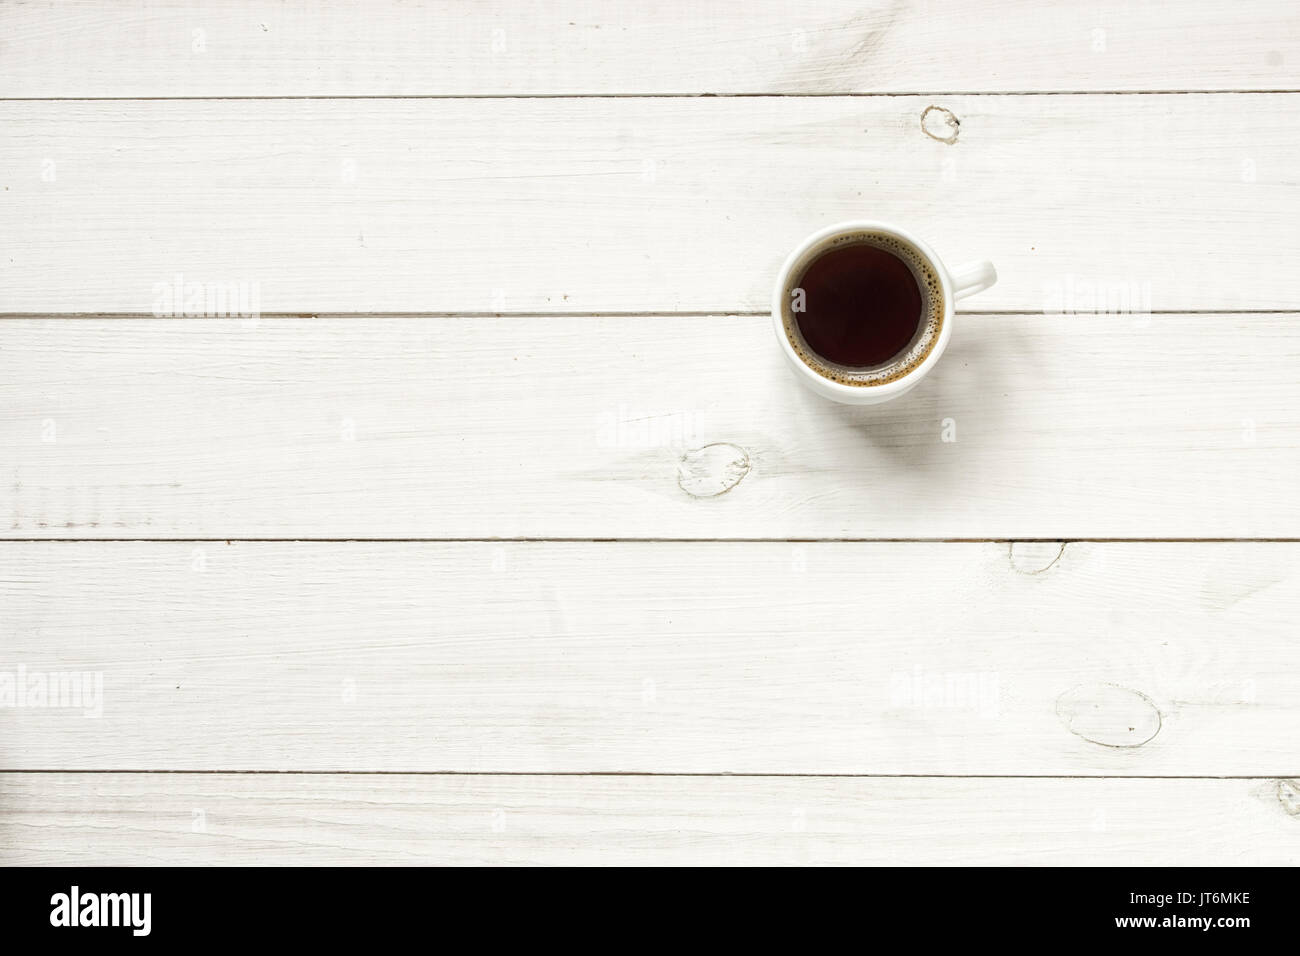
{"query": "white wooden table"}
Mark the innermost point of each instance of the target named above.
(501, 534)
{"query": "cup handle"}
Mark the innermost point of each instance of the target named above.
(971, 278)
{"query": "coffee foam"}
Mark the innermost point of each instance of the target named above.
(922, 344)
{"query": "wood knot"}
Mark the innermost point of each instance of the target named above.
(1288, 794)
(1109, 715)
(712, 470)
(941, 124)
(1034, 557)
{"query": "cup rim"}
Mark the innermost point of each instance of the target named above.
(881, 390)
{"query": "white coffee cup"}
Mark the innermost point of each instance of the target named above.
(954, 284)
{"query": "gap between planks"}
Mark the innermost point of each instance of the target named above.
(640, 96)
(300, 539)
(654, 314)
(651, 773)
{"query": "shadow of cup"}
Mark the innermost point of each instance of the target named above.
(923, 436)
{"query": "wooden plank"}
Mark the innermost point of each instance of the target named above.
(258, 819)
(639, 205)
(267, 48)
(886, 658)
(1173, 426)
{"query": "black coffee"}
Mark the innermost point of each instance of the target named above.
(862, 305)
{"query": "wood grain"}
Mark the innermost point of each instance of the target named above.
(745, 657)
(266, 48)
(379, 183)
(1172, 426)
(1085, 203)
(185, 819)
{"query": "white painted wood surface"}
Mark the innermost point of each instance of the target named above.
(642, 204)
(510, 265)
(187, 819)
(360, 48)
(777, 657)
(629, 427)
